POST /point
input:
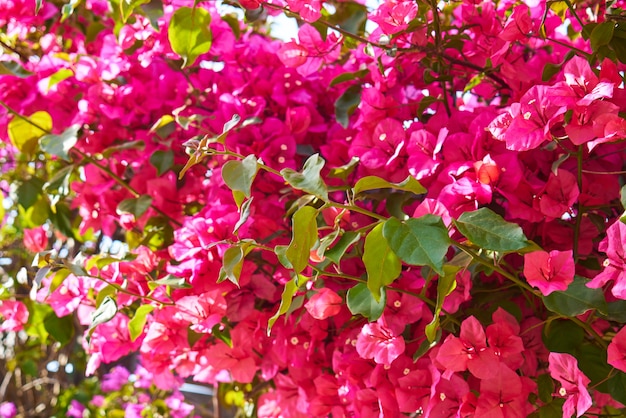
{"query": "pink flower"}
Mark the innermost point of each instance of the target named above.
(380, 343)
(7, 410)
(616, 351)
(394, 16)
(36, 239)
(564, 368)
(615, 265)
(324, 304)
(470, 351)
(14, 314)
(115, 379)
(549, 271)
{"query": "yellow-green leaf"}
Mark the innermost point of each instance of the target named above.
(24, 132)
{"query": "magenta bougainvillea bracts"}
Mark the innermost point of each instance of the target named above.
(409, 208)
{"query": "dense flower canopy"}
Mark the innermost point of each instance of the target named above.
(411, 207)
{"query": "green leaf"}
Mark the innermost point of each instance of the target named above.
(490, 231)
(304, 226)
(346, 104)
(135, 206)
(37, 313)
(103, 313)
(239, 175)
(244, 214)
(553, 409)
(382, 265)
(576, 300)
(162, 160)
(128, 6)
(419, 241)
(107, 291)
(562, 336)
(545, 386)
(173, 282)
(445, 285)
(474, 81)
(233, 261)
(38, 4)
(14, 68)
(61, 329)
(228, 126)
(68, 9)
(25, 132)
(56, 78)
(2, 211)
(602, 34)
(291, 287)
(60, 145)
(136, 324)
(28, 192)
(60, 181)
(189, 33)
(336, 253)
(345, 170)
(372, 183)
(617, 387)
(426, 345)
(622, 196)
(361, 302)
(309, 179)
(281, 253)
(617, 311)
(342, 78)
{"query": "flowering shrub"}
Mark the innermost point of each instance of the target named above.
(408, 209)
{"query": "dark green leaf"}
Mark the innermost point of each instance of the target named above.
(490, 231)
(135, 206)
(304, 226)
(576, 300)
(419, 241)
(361, 302)
(445, 285)
(28, 192)
(562, 336)
(61, 329)
(372, 183)
(189, 33)
(552, 410)
(162, 160)
(616, 311)
(337, 251)
(62, 219)
(545, 387)
(592, 362)
(239, 175)
(346, 104)
(382, 265)
(602, 34)
(136, 324)
(617, 387)
(309, 179)
(103, 313)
